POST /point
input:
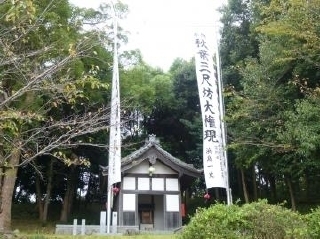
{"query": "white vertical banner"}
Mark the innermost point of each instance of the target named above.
(214, 162)
(114, 172)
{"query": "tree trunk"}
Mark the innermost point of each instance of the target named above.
(292, 198)
(254, 184)
(68, 198)
(7, 188)
(239, 187)
(48, 192)
(273, 188)
(244, 186)
(307, 188)
(39, 198)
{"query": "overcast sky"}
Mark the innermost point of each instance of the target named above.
(163, 29)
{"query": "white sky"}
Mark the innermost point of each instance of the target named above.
(163, 29)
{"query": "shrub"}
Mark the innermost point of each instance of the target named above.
(313, 223)
(256, 220)
(218, 221)
(273, 221)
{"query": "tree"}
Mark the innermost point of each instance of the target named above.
(143, 88)
(45, 89)
(238, 42)
(171, 116)
(277, 87)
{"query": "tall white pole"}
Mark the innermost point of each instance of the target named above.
(223, 126)
(114, 172)
(109, 209)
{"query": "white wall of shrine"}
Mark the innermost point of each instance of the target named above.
(153, 184)
(143, 168)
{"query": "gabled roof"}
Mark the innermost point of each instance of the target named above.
(153, 151)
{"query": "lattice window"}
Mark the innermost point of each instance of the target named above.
(172, 220)
(129, 219)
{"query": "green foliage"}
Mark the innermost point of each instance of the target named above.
(292, 23)
(270, 58)
(313, 223)
(218, 221)
(238, 39)
(175, 116)
(255, 220)
(52, 70)
(274, 220)
(302, 126)
(53, 93)
(145, 87)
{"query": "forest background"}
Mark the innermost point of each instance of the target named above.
(55, 93)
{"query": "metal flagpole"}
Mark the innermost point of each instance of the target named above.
(223, 127)
(114, 172)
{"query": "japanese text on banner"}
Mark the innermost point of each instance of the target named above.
(214, 162)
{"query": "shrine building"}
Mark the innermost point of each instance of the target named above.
(150, 195)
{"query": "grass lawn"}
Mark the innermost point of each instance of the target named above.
(33, 229)
(143, 236)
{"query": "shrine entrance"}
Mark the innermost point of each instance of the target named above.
(151, 212)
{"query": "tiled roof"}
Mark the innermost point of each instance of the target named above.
(130, 160)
